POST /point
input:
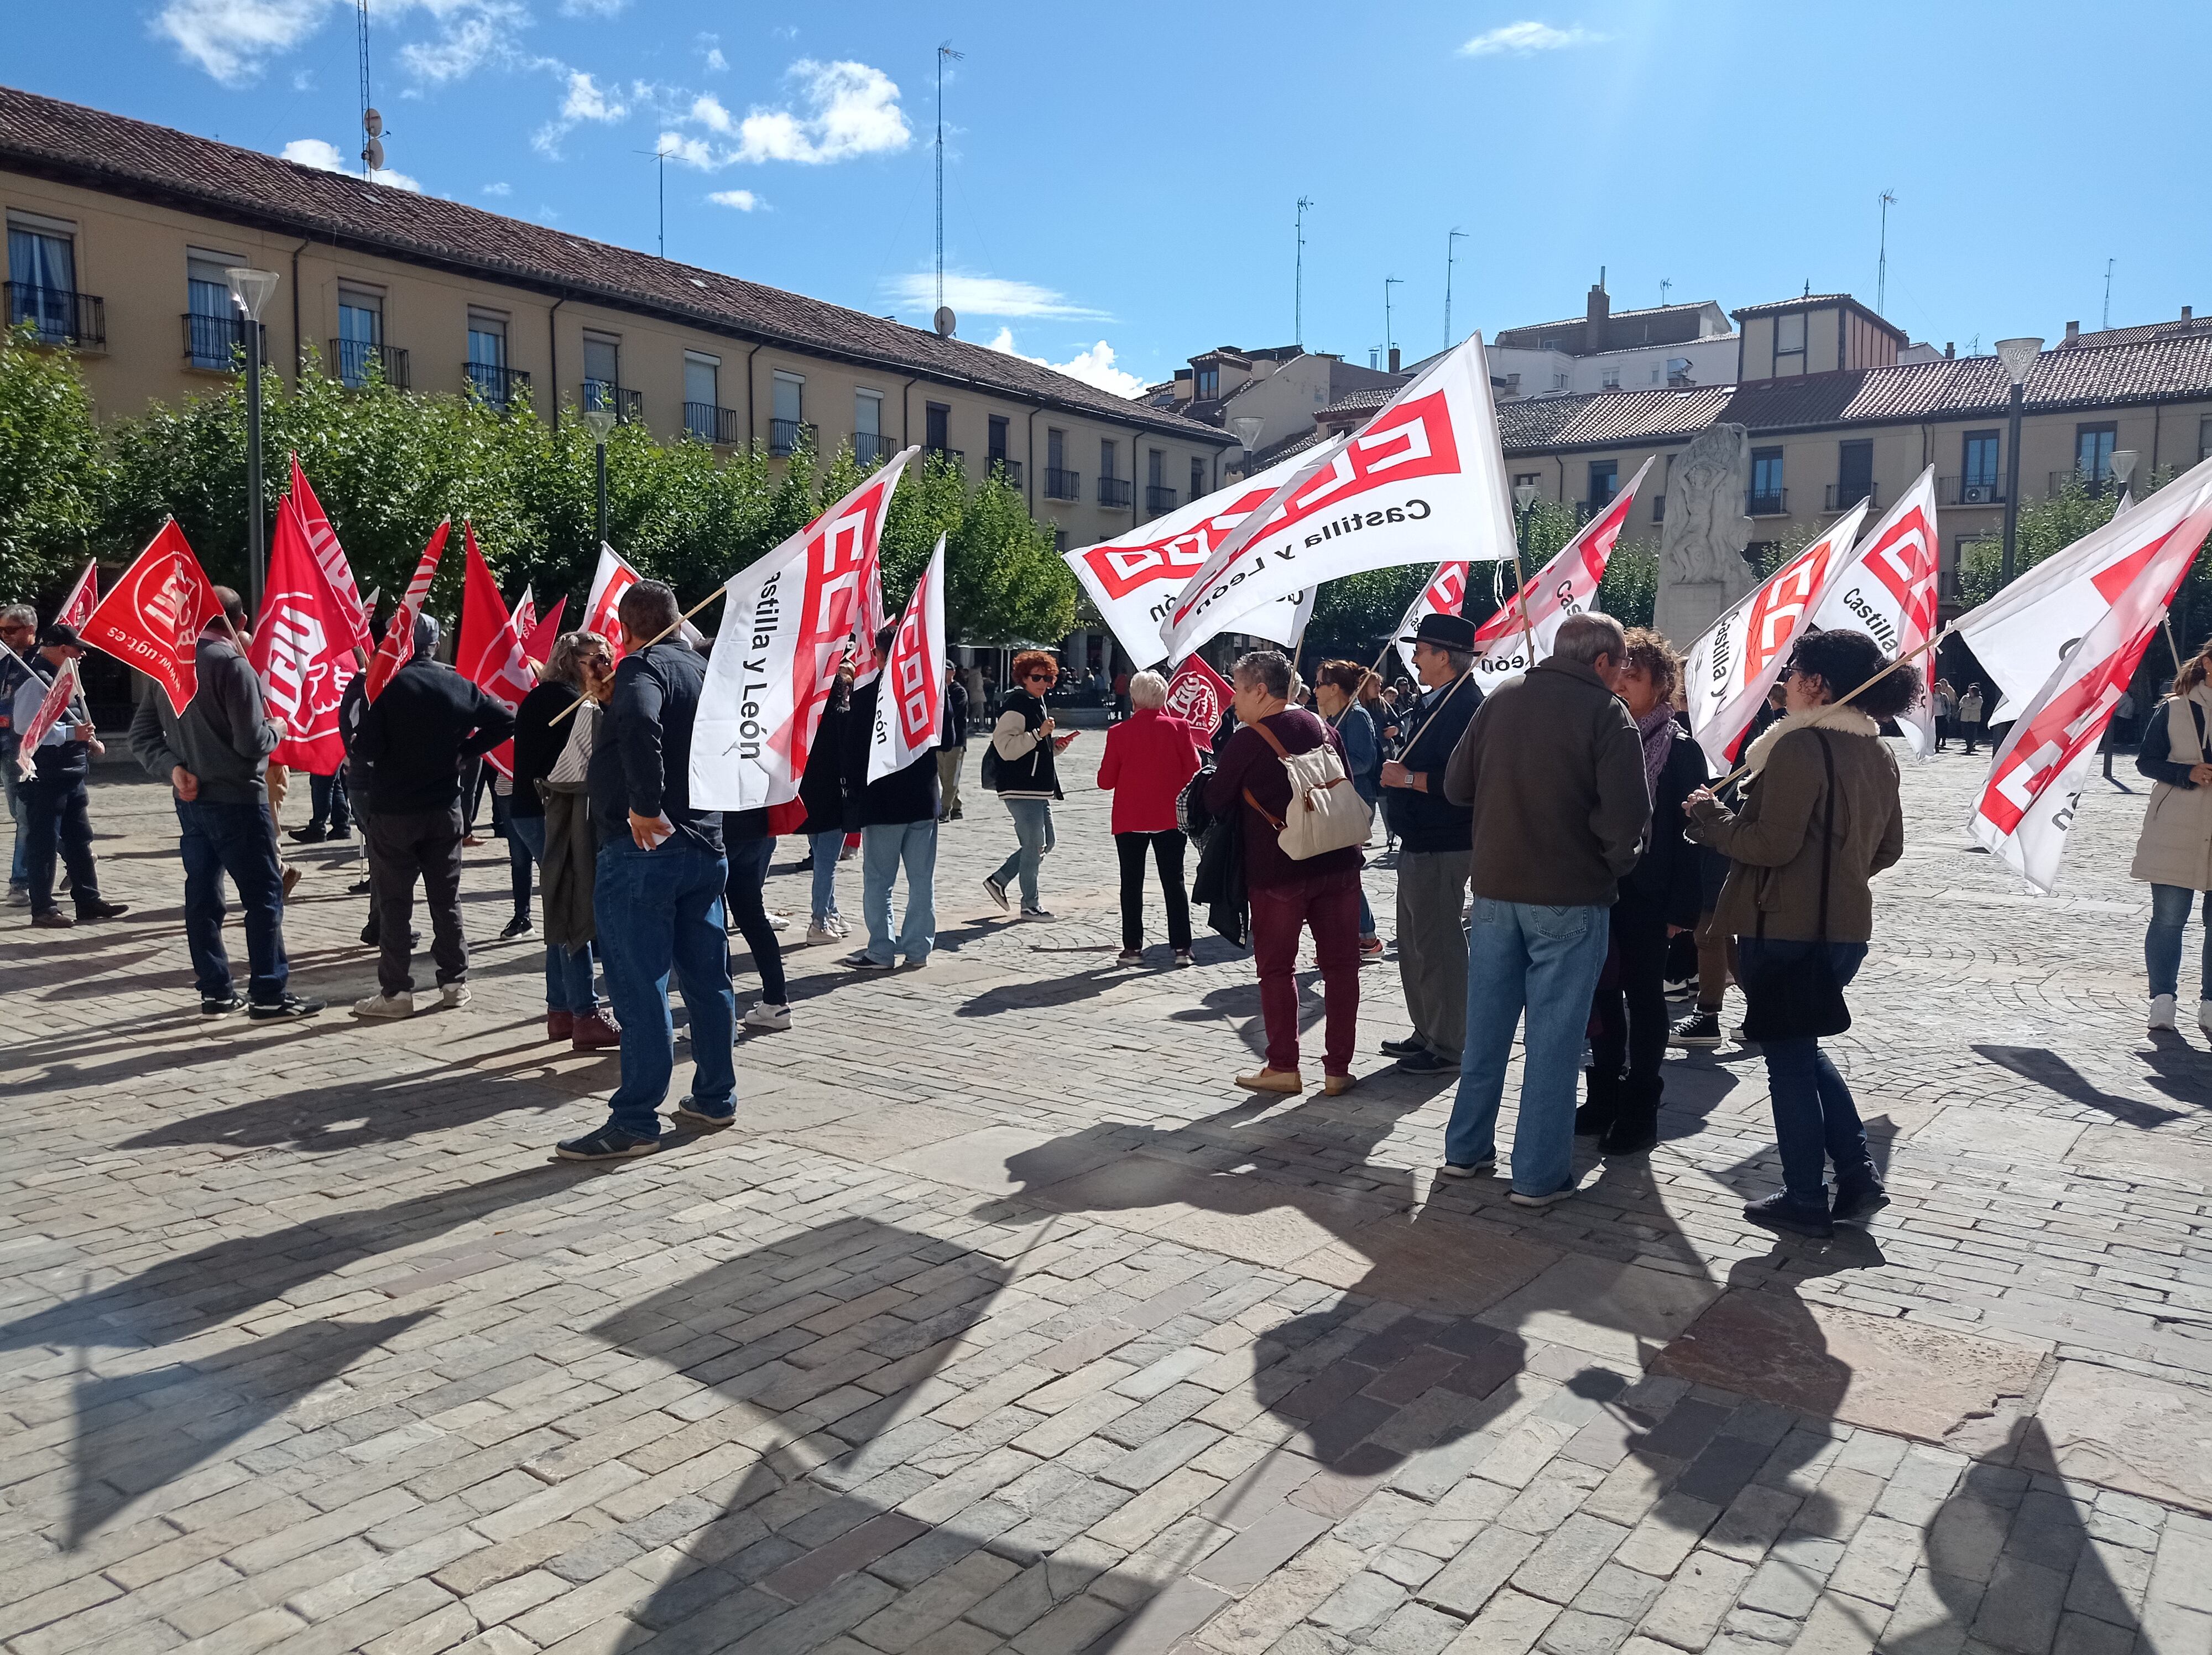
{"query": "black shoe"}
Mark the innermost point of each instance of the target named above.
(361, 887)
(607, 1144)
(309, 835)
(700, 1121)
(519, 926)
(97, 909)
(1595, 1118)
(371, 937)
(221, 1005)
(1426, 1061)
(1635, 1127)
(1403, 1048)
(268, 1011)
(341, 830)
(1699, 1028)
(1779, 1212)
(861, 962)
(1857, 1200)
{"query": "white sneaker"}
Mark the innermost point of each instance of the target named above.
(2161, 1011)
(778, 922)
(823, 933)
(390, 1006)
(772, 1018)
(454, 996)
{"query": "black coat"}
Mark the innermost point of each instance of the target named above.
(1218, 885)
(905, 795)
(1667, 877)
(538, 742)
(1428, 821)
(822, 784)
(955, 714)
(419, 732)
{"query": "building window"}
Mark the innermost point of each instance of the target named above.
(361, 331)
(42, 276)
(869, 443)
(1978, 484)
(2204, 438)
(1677, 372)
(1768, 497)
(787, 412)
(1209, 384)
(487, 364)
(1060, 541)
(603, 371)
(1854, 474)
(1609, 379)
(936, 431)
(214, 327)
(1604, 482)
(702, 398)
(1197, 476)
(998, 439)
(2093, 452)
(1107, 447)
(1789, 344)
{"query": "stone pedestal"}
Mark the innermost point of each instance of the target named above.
(1684, 609)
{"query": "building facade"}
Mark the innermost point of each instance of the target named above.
(119, 234)
(1673, 346)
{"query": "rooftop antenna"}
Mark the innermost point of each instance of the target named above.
(1388, 282)
(1298, 279)
(1450, 248)
(1882, 265)
(660, 156)
(371, 123)
(943, 50)
(1665, 283)
(2108, 291)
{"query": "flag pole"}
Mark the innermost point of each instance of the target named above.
(1905, 660)
(658, 637)
(2167, 621)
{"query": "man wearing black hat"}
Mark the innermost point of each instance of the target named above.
(1434, 837)
(54, 801)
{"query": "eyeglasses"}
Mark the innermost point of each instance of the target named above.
(1042, 678)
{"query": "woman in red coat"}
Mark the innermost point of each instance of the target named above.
(1150, 755)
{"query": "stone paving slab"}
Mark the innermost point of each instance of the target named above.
(1000, 1321)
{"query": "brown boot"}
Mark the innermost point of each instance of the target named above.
(594, 1033)
(559, 1026)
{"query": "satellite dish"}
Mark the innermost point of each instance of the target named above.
(372, 156)
(946, 321)
(372, 123)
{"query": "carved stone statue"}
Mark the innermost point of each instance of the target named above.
(1701, 566)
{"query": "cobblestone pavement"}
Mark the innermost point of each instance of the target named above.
(1001, 1321)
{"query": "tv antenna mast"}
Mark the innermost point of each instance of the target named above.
(1298, 279)
(660, 156)
(1882, 265)
(371, 123)
(2108, 263)
(943, 50)
(1665, 283)
(1451, 249)
(1388, 282)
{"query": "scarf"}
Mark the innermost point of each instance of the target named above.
(1845, 721)
(1656, 730)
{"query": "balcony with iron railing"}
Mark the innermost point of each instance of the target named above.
(1952, 492)
(786, 437)
(1842, 497)
(1061, 484)
(59, 316)
(710, 424)
(1586, 510)
(1158, 499)
(1011, 469)
(218, 342)
(2096, 487)
(953, 457)
(871, 447)
(1117, 493)
(360, 360)
(496, 386)
(1772, 502)
(627, 406)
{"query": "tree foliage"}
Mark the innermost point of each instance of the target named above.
(54, 471)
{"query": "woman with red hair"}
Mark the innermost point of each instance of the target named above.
(1025, 745)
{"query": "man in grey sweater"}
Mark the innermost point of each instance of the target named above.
(214, 758)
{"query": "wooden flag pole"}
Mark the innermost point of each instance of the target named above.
(660, 637)
(1521, 597)
(1902, 661)
(2167, 621)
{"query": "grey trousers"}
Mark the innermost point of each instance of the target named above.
(1432, 944)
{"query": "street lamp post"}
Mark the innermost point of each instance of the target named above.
(2017, 356)
(599, 421)
(1248, 428)
(249, 290)
(2123, 465)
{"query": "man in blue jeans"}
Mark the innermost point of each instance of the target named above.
(1553, 770)
(216, 759)
(658, 905)
(898, 829)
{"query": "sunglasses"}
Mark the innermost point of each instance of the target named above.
(1042, 678)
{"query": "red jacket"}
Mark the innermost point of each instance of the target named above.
(1150, 755)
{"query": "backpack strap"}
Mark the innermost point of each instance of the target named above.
(1282, 753)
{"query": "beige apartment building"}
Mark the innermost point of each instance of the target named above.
(119, 234)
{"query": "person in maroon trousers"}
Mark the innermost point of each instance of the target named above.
(1321, 893)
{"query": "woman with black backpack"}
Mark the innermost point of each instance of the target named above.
(1019, 768)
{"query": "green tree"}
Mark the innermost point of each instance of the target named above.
(54, 475)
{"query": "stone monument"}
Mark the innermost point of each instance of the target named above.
(1702, 570)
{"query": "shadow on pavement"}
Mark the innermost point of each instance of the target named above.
(2054, 1073)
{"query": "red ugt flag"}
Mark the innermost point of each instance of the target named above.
(153, 616)
(302, 648)
(910, 703)
(399, 646)
(1199, 696)
(55, 701)
(538, 640)
(489, 653)
(322, 542)
(84, 598)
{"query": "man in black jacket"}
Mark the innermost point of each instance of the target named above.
(657, 905)
(1433, 854)
(56, 814)
(417, 734)
(952, 746)
(898, 826)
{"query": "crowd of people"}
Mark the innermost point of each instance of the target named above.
(1563, 858)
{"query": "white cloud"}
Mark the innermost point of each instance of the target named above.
(232, 39)
(850, 110)
(692, 152)
(986, 296)
(744, 200)
(303, 80)
(716, 62)
(498, 189)
(324, 156)
(587, 102)
(1094, 366)
(1523, 37)
(470, 34)
(591, 8)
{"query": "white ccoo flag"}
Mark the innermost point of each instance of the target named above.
(1444, 594)
(2022, 633)
(2026, 805)
(1734, 662)
(1423, 482)
(786, 623)
(1886, 590)
(1507, 644)
(910, 704)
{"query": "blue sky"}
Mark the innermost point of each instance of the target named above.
(1120, 182)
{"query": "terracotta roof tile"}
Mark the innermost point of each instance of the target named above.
(1608, 417)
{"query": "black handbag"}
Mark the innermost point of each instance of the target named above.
(1800, 999)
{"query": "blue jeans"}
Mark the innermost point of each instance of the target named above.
(2169, 913)
(826, 847)
(1815, 1120)
(1547, 960)
(239, 840)
(331, 807)
(1033, 827)
(658, 911)
(19, 870)
(885, 848)
(567, 970)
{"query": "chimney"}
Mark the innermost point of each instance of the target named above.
(1394, 359)
(2072, 333)
(1950, 350)
(2185, 312)
(1597, 315)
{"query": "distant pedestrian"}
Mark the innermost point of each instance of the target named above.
(952, 745)
(1288, 896)
(1970, 716)
(1943, 709)
(419, 734)
(898, 829)
(1340, 697)
(1435, 852)
(56, 811)
(2174, 849)
(1150, 758)
(1026, 743)
(19, 636)
(1552, 769)
(658, 902)
(1821, 817)
(822, 791)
